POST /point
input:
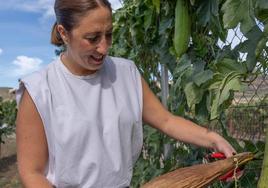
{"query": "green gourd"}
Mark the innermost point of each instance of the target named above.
(182, 28)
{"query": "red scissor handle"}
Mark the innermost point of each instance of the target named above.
(217, 155)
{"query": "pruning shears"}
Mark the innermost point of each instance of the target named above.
(229, 176)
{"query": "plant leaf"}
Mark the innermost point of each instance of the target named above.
(206, 10)
(193, 94)
(238, 11)
(156, 4)
(148, 14)
(203, 77)
(262, 4)
(227, 65)
(231, 82)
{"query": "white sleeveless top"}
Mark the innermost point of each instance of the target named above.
(93, 123)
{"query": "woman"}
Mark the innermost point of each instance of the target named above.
(80, 119)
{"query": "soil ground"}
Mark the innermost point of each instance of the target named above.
(9, 177)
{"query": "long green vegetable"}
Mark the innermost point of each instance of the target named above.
(182, 28)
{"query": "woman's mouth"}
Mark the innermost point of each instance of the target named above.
(98, 58)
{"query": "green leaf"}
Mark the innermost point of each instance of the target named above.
(183, 64)
(192, 2)
(231, 82)
(235, 143)
(164, 25)
(263, 4)
(193, 94)
(203, 77)
(266, 29)
(156, 4)
(226, 65)
(206, 10)
(249, 46)
(148, 14)
(217, 28)
(261, 45)
(260, 145)
(216, 81)
(249, 146)
(201, 111)
(262, 14)
(238, 11)
(198, 66)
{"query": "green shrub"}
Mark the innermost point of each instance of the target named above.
(8, 112)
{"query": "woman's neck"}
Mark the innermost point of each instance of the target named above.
(74, 67)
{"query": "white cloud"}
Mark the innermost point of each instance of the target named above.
(45, 7)
(25, 65)
(1, 51)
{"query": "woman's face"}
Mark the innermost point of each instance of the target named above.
(89, 42)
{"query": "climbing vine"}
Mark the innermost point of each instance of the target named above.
(203, 77)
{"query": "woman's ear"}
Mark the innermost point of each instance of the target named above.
(63, 33)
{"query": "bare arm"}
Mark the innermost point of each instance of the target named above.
(32, 150)
(179, 128)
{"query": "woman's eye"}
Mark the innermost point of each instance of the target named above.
(109, 35)
(93, 39)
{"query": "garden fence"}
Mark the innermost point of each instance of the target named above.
(247, 117)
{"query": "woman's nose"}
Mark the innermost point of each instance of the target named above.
(103, 46)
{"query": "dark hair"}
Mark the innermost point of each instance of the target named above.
(68, 13)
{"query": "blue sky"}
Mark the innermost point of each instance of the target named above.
(25, 27)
